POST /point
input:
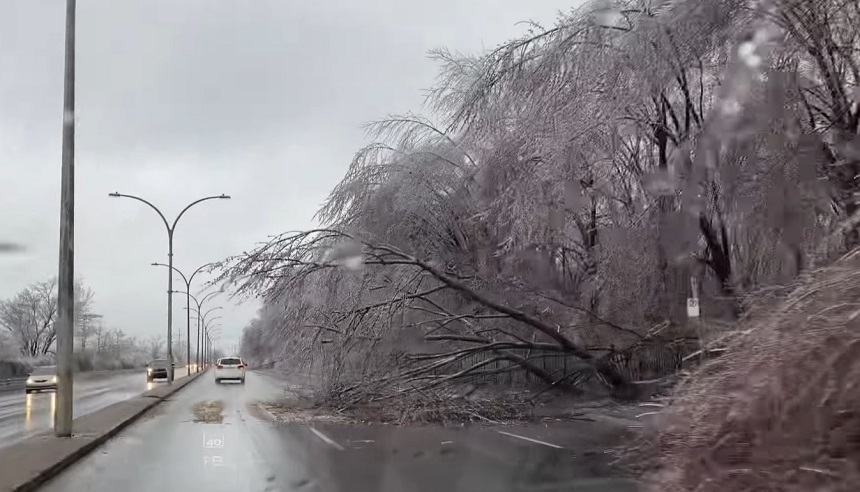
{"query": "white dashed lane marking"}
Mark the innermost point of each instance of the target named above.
(324, 438)
(529, 439)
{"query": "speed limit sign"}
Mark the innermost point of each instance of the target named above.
(692, 307)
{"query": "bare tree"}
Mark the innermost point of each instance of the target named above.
(29, 316)
(155, 346)
(84, 317)
(102, 336)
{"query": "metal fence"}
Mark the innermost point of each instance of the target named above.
(507, 372)
(640, 362)
(12, 384)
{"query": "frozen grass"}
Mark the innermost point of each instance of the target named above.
(781, 409)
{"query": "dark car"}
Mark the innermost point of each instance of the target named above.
(157, 369)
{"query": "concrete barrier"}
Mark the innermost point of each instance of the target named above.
(11, 384)
(16, 384)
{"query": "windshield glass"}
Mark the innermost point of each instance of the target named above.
(465, 246)
(44, 371)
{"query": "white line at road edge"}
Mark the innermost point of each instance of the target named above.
(529, 439)
(324, 438)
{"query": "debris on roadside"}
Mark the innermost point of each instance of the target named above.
(209, 412)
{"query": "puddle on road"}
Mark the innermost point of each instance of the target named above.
(209, 412)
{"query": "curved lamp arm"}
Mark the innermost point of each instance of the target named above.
(184, 278)
(189, 295)
(206, 323)
(195, 202)
(207, 312)
(199, 269)
(170, 228)
(163, 218)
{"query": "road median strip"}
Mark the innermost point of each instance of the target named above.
(29, 464)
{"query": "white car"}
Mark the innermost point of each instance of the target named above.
(42, 378)
(230, 368)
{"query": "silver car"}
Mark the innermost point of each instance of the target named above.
(42, 378)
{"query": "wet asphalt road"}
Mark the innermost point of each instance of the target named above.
(23, 415)
(214, 438)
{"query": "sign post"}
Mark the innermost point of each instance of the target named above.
(694, 314)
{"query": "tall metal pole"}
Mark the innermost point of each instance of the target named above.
(170, 302)
(188, 329)
(188, 314)
(199, 326)
(206, 329)
(198, 340)
(188, 297)
(201, 349)
(210, 340)
(199, 362)
(66, 279)
(170, 229)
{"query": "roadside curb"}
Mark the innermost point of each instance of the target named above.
(269, 415)
(152, 398)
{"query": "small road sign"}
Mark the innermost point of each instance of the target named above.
(692, 307)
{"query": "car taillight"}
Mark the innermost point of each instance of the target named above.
(241, 366)
(220, 366)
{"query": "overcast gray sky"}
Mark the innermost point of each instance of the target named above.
(178, 99)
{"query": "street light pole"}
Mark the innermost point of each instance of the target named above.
(200, 324)
(200, 329)
(206, 322)
(187, 307)
(65, 329)
(211, 338)
(170, 230)
(188, 296)
(200, 341)
(209, 347)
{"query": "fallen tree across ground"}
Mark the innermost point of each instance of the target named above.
(309, 263)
